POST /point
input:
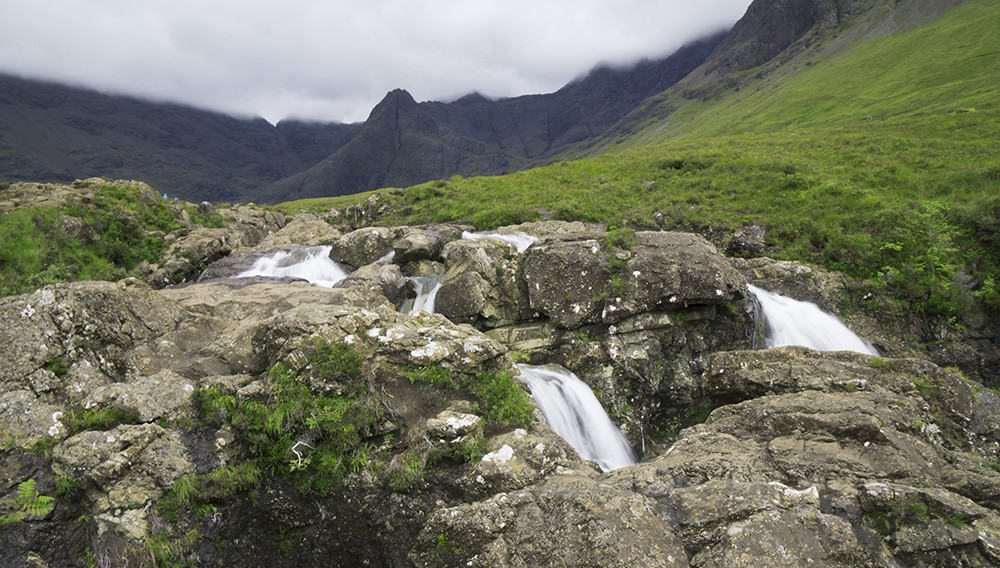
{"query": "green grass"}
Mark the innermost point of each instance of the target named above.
(38, 251)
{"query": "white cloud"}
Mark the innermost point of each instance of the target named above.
(334, 60)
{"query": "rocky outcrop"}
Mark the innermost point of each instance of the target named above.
(664, 269)
(569, 520)
(152, 404)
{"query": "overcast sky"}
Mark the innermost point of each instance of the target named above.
(335, 59)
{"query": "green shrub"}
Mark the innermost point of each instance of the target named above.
(500, 397)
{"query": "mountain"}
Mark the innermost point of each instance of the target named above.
(775, 41)
(58, 133)
(404, 142)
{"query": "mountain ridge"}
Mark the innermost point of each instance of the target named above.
(59, 133)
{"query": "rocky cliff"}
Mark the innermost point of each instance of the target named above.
(249, 421)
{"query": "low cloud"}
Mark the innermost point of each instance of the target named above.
(334, 60)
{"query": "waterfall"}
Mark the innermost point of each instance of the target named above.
(573, 412)
(427, 288)
(306, 263)
(520, 240)
(791, 322)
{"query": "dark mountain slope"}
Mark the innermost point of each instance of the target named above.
(53, 132)
(404, 142)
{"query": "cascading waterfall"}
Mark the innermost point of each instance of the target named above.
(520, 240)
(307, 263)
(427, 288)
(573, 412)
(791, 322)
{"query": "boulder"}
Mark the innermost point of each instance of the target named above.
(577, 283)
(63, 323)
(425, 242)
(483, 284)
(304, 229)
(363, 246)
(386, 278)
(673, 269)
(566, 281)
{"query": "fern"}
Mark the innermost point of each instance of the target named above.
(27, 503)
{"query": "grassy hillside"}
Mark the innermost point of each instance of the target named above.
(882, 161)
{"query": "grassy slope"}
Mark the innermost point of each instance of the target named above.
(906, 199)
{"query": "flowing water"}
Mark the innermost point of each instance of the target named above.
(427, 288)
(573, 412)
(306, 263)
(791, 322)
(520, 240)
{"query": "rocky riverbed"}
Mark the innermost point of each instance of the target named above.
(129, 401)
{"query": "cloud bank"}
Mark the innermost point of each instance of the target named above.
(334, 60)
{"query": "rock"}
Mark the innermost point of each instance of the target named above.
(674, 269)
(802, 537)
(482, 284)
(433, 340)
(163, 395)
(264, 221)
(386, 278)
(97, 321)
(25, 420)
(561, 230)
(304, 229)
(132, 465)
(570, 520)
(524, 457)
(665, 270)
(566, 280)
(254, 324)
(425, 243)
(76, 228)
(450, 424)
(921, 521)
(363, 246)
(801, 281)
(748, 241)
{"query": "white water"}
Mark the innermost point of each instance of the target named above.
(520, 240)
(573, 412)
(791, 322)
(308, 263)
(427, 288)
